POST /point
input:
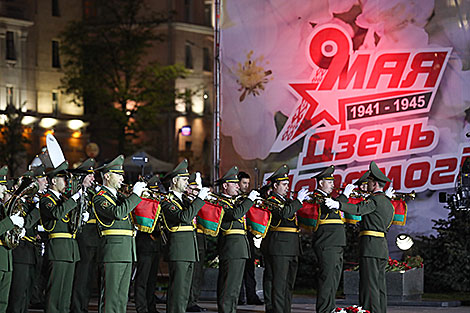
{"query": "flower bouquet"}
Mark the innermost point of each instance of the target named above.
(350, 309)
(407, 264)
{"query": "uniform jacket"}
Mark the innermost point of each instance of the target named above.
(89, 235)
(55, 219)
(279, 242)
(113, 213)
(234, 246)
(5, 254)
(27, 252)
(182, 245)
(328, 235)
(377, 215)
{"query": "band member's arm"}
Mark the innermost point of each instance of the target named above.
(361, 208)
(107, 207)
(288, 210)
(171, 211)
(237, 211)
(58, 210)
(32, 218)
(5, 225)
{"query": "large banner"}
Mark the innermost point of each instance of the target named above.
(345, 82)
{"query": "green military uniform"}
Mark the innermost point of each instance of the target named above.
(117, 244)
(178, 215)
(330, 240)
(26, 255)
(282, 246)
(198, 272)
(377, 215)
(148, 255)
(233, 248)
(6, 264)
(88, 240)
(61, 249)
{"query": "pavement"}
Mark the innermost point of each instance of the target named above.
(304, 305)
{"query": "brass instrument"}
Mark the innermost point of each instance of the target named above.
(18, 204)
(76, 215)
(268, 204)
(316, 198)
(403, 196)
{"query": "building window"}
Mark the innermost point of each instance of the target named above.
(55, 8)
(188, 11)
(89, 9)
(206, 60)
(55, 103)
(188, 56)
(208, 14)
(10, 53)
(55, 54)
(10, 96)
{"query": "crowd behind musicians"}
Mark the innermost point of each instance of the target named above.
(105, 245)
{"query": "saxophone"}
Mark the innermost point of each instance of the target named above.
(18, 204)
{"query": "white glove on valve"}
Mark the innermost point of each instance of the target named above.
(139, 188)
(85, 216)
(204, 193)
(390, 192)
(17, 220)
(253, 195)
(23, 233)
(77, 195)
(198, 180)
(332, 204)
(348, 189)
(302, 195)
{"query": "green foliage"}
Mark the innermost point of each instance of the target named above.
(109, 69)
(447, 254)
(12, 140)
(307, 271)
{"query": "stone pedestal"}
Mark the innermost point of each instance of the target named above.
(401, 286)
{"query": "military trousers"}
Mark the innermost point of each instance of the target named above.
(330, 259)
(59, 286)
(285, 269)
(146, 281)
(22, 283)
(5, 282)
(85, 271)
(372, 284)
(115, 287)
(229, 283)
(181, 273)
(198, 272)
(267, 283)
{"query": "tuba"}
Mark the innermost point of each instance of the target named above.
(18, 204)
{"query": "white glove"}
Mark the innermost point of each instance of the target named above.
(198, 180)
(23, 233)
(302, 195)
(204, 193)
(17, 220)
(85, 216)
(253, 195)
(348, 189)
(41, 228)
(139, 188)
(77, 195)
(332, 204)
(390, 192)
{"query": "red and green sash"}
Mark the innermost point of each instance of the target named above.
(145, 214)
(209, 218)
(258, 220)
(309, 216)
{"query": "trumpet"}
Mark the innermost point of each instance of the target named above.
(403, 196)
(267, 204)
(316, 198)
